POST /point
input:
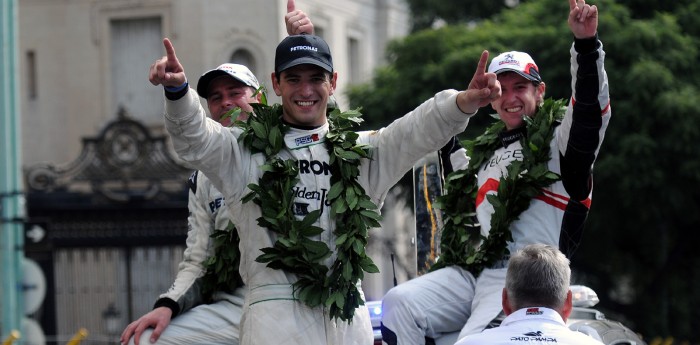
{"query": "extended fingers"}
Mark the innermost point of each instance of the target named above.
(141, 327)
(582, 11)
(483, 61)
(170, 51)
(128, 332)
(572, 4)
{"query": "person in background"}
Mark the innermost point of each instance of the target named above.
(537, 302)
(461, 296)
(189, 313)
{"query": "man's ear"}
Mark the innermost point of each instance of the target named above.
(275, 84)
(540, 91)
(568, 306)
(505, 303)
(334, 80)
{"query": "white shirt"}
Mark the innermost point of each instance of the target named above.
(534, 325)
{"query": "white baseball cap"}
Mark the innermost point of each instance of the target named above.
(238, 72)
(517, 62)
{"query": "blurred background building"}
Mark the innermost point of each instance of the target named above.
(106, 196)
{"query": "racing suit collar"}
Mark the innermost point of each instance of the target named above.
(541, 313)
(305, 128)
(511, 136)
(297, 138)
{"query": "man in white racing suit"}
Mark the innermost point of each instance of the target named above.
(451, 298)
(537, 301)
(183, 314)
(305, 79)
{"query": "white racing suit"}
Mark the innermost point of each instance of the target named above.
(272, 314)
(534, 326)
(194, 322)
(450, 299)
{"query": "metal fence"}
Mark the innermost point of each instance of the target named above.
(103, 289)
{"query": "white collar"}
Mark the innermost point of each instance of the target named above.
(531, 313)
(299, 138)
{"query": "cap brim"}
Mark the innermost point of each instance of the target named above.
(521, 73)
(304, 61)
(206, 79)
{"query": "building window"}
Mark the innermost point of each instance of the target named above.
(135, 44)
(244, 57)
(354, 61)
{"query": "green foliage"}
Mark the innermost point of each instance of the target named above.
(647, 175)
(353, 211)
(644, 9)
(221, 269)
(461, 242)
(644, 206)
(426, 13)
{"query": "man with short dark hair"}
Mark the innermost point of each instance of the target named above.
(537, 302)
(304, 189)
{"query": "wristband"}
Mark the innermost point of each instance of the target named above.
(176, 88)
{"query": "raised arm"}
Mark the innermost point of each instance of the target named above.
(583, 128)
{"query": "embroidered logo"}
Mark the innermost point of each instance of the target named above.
(509, 60)
(537, 336)
(292, 49)
(305, 140)
(533, 311)
(301, 206)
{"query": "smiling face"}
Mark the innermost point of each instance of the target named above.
(519, 97)
(226, 93)
(305, 90)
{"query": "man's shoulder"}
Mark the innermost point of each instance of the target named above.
(582, 338)
(489, 336)
(514, 335)
(199, 183)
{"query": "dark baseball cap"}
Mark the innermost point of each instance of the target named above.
(303, 49)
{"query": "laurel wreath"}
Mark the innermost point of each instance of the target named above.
(222, 267)
(295, 251)
(461, 241)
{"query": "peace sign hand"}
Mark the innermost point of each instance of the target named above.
(482, 90)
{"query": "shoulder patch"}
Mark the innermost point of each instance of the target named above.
(192, 181)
